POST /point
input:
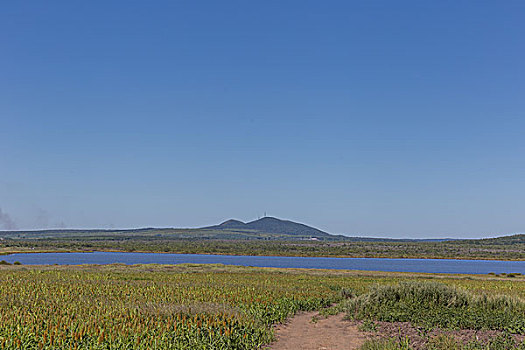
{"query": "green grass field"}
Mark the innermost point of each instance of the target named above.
(180, 307)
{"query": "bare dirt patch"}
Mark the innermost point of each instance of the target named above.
(332, 333)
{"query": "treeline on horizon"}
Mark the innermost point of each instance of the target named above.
(204, 233)
(505, 248)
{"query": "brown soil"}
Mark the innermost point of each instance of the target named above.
(332, 333)
(419, 338)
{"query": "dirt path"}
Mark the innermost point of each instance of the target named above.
(332, 333)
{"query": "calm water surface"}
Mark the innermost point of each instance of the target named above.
(370, 264)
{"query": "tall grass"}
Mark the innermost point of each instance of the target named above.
(120, 308)
(431, 304)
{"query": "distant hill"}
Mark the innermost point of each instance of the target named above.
(504, 240)
(267, 228)
(273, 226)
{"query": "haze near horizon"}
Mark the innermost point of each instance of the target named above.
(377, 119)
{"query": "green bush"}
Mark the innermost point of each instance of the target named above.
(430, 304)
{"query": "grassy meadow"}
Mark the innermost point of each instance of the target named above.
(190, 306)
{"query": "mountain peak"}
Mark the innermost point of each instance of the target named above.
(267, 219)
(273, 225)
(232, 223)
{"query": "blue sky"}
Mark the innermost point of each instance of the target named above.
(372, 118)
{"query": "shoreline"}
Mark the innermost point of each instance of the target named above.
(266, 255)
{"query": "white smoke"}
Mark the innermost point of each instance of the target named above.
(6, 222)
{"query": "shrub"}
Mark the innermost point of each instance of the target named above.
(347, 293)
(430, 304)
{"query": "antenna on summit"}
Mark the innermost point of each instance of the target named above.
(264, 214)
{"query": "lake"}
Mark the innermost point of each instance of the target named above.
(369, 264)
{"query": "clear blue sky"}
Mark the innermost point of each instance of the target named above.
(372, 118)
